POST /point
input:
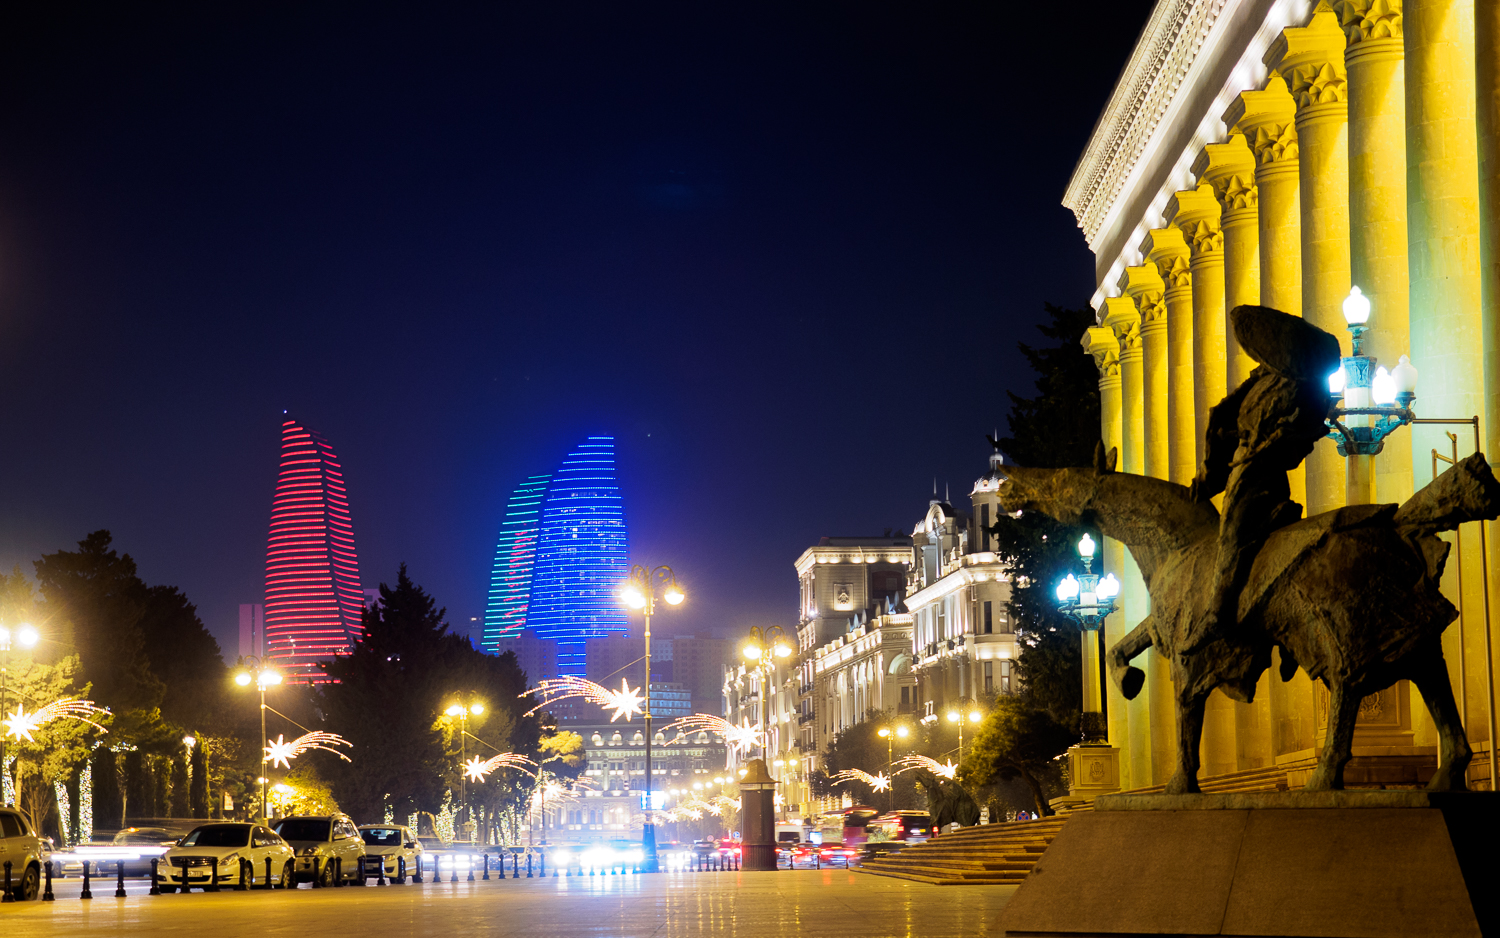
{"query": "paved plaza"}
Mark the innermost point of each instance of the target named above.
(832, 903)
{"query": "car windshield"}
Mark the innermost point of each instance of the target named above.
(219, 835)
(381, 836)
(303, 828)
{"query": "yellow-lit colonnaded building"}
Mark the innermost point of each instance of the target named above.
(1278, 152)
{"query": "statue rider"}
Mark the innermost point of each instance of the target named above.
(1257, 434)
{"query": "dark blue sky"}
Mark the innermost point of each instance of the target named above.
(783, 253)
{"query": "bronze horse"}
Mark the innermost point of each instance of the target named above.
(1351, 595)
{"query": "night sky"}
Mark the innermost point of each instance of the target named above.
(783, 254)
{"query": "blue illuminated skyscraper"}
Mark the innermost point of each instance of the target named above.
(515, 558)
(561, 559)
(581, 556)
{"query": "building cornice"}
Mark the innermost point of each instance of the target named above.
(1164, 55)
(955, 580)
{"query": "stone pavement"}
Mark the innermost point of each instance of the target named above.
(831, 903)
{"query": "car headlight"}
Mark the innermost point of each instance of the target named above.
(230, 860)
(309, 852)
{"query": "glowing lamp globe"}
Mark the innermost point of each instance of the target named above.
(901, 731)
(1336, 381)
(783, 649)
(1356, 307)
(1383, 388)
(26, 636)
(753, 652)
(1068, 588)
(634, 598)
(674, 595)
(476, 709)
(1405, 376)
(1086, 548)
(242, 678)
(269, 677)
(885, 731)
(975, 716)
(455, 711)
(1109, 587)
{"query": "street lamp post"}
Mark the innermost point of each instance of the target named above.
(964, 709)
(640, 593)
(1088, 600)
(889, 734)
(25, 636)
(250, 668)
(462, 711)
(763, 647)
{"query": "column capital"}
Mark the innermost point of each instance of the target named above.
(1101, 343)
(1196, 213)
(1119, 315)
(1311, 60)
(1144, 285)
(1268, 119)
(1229, 167)
(1168, 250)
(1369, 21)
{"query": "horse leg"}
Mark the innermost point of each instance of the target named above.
(1128, 679)
(1189, 735)
(1430, 673)
(1343, 708)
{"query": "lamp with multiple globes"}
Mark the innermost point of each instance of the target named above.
(1088, 599)
(248, 670)
(461, 712)
(1367, 403)
(639, 592)
(890, 734)
(964, 709)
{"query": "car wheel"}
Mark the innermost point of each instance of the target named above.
(288, 875)
(30, 884)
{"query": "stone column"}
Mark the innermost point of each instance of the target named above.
(1166, 249)
(1267, 119)
(1229, 168)
(1100, 342)
(1377, 216)
(1195, 212)
(1144, 286)
(1119, 315)
(1448, 336)
(1487, 76)
(1311, 61)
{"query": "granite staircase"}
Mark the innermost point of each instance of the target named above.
(1003, 854)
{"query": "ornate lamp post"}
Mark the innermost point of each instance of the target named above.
(25, 636)
(1088, 600)
(250, 668)
(1366, 404)
(965, 708)
(640, 593)
(461, 712)
(763, 647)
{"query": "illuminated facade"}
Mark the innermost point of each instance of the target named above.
(1278, 152)
(581, 556)
(313, 597)
(515, 560)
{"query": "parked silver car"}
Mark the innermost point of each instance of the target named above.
(25, 851)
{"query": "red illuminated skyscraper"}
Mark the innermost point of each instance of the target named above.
(313, 596)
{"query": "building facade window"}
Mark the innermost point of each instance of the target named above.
(989, 674)
(989, 617)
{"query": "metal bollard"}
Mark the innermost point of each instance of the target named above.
(401, 871)
(6, 896)
(87, 892)
(47, 895)
(338, 871)
(119, 879)
(380, 880)
(361, 870)
(528, 864)
(471, 868)
(817, 860)
(541, 860)
(515, 866)
(213, 874)
(317, 874)
(486, 862)
(244, 882)
(267, 884)
(453, 871)
(417, 876)
(182, 875)
(156, 878)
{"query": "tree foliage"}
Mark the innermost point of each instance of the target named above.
(1018, 740)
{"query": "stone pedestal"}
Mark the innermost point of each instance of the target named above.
(1353, 864)
(1093, 771)
(758, 796)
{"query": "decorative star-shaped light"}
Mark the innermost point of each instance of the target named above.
(877, 782)
(474, 769)
(479, 768)
(22, 724)
(738, 738)
(623, 702)
(281, 751)
(941, 769)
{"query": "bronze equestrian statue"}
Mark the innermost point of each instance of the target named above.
(1351, 595)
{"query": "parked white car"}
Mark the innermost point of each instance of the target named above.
(391, 843)
(319, 840)
(25, 851)
(223, 845)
